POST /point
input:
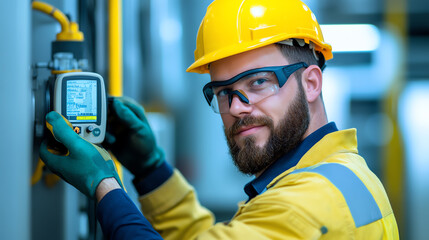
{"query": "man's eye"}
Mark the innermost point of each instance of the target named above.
(223, 92)
(259, 82)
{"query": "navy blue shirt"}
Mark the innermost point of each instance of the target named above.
(118, 216)
(120, 219)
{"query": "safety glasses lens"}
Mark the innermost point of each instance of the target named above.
(257, 84)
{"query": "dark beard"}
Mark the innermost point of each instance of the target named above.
(252, 159)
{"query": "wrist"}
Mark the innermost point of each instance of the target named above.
(106, 185)
(154, 179)
(149, 164)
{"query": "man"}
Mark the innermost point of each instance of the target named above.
(265, 59)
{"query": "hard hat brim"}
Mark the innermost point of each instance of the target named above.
(201, 65)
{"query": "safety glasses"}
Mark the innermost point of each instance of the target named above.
(250, 87)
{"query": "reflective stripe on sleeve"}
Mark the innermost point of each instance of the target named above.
(361, 203)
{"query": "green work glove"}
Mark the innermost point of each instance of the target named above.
(131, 139)
(84, 166)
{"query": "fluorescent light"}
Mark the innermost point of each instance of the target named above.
(413, 119)
(170, 30)
(352, 37)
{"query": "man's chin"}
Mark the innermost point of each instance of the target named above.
(259, 139)
(243, 142)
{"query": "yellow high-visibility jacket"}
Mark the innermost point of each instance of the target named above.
(329, 194)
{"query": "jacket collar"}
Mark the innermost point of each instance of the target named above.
(288, 161)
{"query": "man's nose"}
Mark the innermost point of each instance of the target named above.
(239, 103)
(240, 94)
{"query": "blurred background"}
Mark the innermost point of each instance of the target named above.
(378, 82)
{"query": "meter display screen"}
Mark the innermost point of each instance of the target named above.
(81, 101)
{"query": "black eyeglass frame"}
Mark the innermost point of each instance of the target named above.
(282, 73)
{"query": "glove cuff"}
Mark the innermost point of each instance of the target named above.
(101, 176)
(154, 179)
(148, 165)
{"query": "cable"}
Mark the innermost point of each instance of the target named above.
(37, 175)
(95, 220)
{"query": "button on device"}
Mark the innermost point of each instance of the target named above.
(77, 129)
(89, 129)
(96, 132)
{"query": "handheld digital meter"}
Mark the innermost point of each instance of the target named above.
(81, 98)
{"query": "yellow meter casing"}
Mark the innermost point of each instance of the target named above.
(81, 98)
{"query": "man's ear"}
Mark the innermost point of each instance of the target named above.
(312, 82)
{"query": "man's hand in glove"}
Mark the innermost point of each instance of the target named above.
(84, 165)
(131, 139)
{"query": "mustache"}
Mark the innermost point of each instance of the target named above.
(249, 120)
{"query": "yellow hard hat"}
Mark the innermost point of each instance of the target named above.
(235, 26)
